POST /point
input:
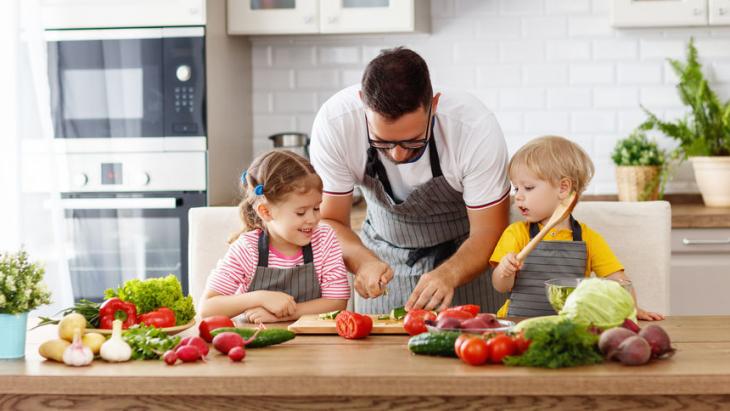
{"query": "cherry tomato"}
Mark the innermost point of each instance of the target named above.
(460, 340)
(458, 314)
(473, 309)
(499, 347)
(521, 343)
(474, 351)
(415, 321)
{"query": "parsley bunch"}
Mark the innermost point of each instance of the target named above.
(148, 343)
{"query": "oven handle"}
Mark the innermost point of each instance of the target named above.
(117, 203)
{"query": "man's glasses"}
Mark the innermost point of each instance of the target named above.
(413, 144)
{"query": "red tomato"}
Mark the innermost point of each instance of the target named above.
(521, 343)
(209, 324)
(353, 325)
(499, 347)
(470, 308)
(458, 314)
(474, 351)
(460, 340)
(415, 321)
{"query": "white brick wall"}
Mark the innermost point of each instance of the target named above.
(542, 66)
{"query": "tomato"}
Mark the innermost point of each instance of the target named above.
(460, 340)
(352, 325)
(521, 343)
(473, 309)
(474, 351)
(209, 324)
(415, 321)
(458, 314)
(499, 347)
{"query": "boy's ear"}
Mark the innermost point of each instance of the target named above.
(264, 212)
(565, 186)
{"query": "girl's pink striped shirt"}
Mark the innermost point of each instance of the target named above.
(234, 272)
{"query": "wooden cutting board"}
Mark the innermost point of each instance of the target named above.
(311, 324)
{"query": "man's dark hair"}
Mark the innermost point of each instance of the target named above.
(396, 82)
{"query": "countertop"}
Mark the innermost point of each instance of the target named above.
(688, 211)
(379, 369)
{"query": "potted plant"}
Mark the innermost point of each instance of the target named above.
(704, 132)
(21, 290)
(639, 164)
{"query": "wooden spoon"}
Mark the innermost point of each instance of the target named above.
(562, 211)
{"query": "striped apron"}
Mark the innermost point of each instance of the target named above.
(301, 282)
(550, 259)
(416, 235)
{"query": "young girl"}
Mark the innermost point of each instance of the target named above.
(544, 172)
(283, 264)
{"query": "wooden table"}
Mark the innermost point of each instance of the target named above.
(328, 372)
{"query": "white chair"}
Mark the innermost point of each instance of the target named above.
(639, 233)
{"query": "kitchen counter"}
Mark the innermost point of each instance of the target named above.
(688, 211)
(329, 372)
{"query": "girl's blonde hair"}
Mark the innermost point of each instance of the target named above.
(552, 158)
(279, 173)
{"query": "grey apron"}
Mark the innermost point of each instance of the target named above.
(550, 259)
(301, 282)
(416, 235)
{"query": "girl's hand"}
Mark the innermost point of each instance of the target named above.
(278, 303)
(258, 315)
(648, 315)
(509, 266)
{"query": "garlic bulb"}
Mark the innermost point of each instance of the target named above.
(77, 354)
(116, 349)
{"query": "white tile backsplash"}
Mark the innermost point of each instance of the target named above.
(542, 66)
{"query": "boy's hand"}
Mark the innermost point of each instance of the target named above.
(509, 266)
(278, 303)
(648, 315)
(258, 315)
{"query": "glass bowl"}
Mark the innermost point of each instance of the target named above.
(557, 291)
(506, 326)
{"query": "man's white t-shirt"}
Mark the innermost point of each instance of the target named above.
(470, 144)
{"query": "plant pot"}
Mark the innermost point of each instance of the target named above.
(638, 183)
(713, 179)
(13, 329)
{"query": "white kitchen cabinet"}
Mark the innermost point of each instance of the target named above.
(327, 16)
(700, 271)
(81, 14)
(659, 13)
(719, 12)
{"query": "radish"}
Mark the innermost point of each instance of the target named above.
(632, 351)
(197, 342)
(224, 342)
(188, 353)
(170, 357)
(661, 346)
(611, 339)
(237, 353)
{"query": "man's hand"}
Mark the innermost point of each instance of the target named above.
(372, 278)
(278, 303)
(259, 315)
(431, 292)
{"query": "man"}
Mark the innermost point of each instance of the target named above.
(433, 170)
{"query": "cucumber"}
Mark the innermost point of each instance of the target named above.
(265, 338)
(330, 315)
(398, 313)
(434, 343)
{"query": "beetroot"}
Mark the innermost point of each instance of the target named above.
(632, 351)
(661, 346)
(448, 323)
(474, 324)
(610, 339)
(630, 325)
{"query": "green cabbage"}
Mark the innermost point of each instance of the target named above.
(601, 303)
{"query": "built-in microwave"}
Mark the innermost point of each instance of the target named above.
(131, 83)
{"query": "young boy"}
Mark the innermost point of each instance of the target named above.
(544, 172)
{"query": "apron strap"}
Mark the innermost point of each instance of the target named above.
(264, 251)
(574, 226)
(441, 253)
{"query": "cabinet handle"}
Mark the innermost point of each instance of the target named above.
(687, 241)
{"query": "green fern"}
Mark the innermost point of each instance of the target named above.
(705, 130)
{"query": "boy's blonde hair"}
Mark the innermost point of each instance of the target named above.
(552, 158)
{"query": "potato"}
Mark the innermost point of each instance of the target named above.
(69, 323)
(53, 349)
(93, 341)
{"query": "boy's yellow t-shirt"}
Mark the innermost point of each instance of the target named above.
(600, 259)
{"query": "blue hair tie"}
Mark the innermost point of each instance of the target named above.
(243, 176)
(259, 190)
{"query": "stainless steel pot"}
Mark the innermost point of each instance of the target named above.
(297, 142)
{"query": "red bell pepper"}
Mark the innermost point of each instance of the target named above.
(160, 318)
(472, 309)
(353, 325)
(116, 309)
